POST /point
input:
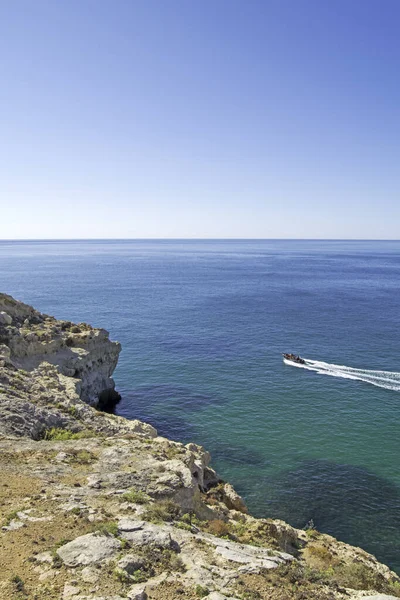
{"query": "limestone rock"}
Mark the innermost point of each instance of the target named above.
(130, 525)
(99, 598)
(79, 351)
(150, 535)
(252, 555)
(131, 562)
(137, 592)
(218, 596)
(379, 597)
(5, 318)
(70, 591)
(88, 549)
(94, 481)
(89, 575)
(232, 499)
(44, 557)
(13, 524)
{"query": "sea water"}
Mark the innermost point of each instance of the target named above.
(203, 325)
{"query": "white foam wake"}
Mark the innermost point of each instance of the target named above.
(384, 379)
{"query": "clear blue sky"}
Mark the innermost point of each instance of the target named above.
(215, 118)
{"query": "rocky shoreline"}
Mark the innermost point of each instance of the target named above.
(97, 507)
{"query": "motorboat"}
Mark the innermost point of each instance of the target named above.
(294, 358)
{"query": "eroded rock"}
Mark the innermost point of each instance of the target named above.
(88, 549)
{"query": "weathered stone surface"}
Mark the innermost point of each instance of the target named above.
(79, 351)
(70, 591)
(130, 525)
(247, 554)
(137, 592)
(218, 596)
(131, 562)
(232, 499)
(5, 318)
(150, 535)
(99, 597)
(380, 597)
(44, 557)
(89, 575)
(88, 549)
(13, 525)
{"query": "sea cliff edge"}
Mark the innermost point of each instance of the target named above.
(97, 507)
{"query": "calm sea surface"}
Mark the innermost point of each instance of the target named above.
(202, 325)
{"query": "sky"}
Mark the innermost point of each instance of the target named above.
(211, 119)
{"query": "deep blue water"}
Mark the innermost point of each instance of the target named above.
(202, 325)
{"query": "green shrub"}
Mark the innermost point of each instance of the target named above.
(191, 519)
(60, 434)
(139, 576)
(136, 496)
(83, 457)
(109, 528)
(312, 533)
(184, 526)
(122, 575)
(163, 510)
(73, 411)
(201, 591)
(393, 588)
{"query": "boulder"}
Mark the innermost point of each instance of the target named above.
(70, 591)
(232, 499)
(137, 592)
(150, 536)
(89, 575)
(131, 562)
(5, 318)
(130, 525)
(88, 549)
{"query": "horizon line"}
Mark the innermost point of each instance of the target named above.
(199, 239)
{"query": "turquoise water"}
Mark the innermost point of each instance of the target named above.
(202, 325)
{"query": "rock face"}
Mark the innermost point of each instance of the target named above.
(96, 507)
(80, 352)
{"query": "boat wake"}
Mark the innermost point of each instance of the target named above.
(384, 379)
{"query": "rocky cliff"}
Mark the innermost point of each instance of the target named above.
(95, 507)
(80, 352)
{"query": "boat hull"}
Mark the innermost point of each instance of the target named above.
(293, 359)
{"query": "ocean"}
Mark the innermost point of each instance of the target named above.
(203, 325)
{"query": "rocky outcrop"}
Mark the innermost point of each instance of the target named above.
(36, 403)
(80, 352)
(96, 507)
